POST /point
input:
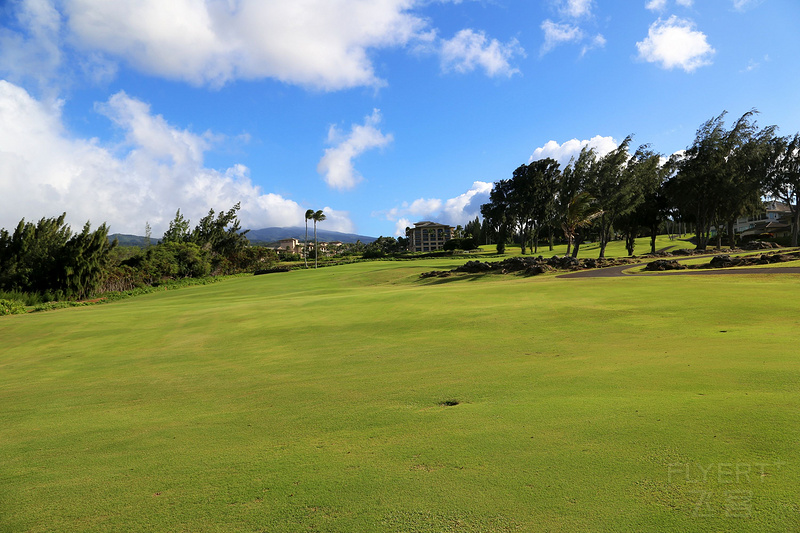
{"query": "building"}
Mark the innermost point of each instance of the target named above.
(290, 246)
(428, 236)
(774, 219)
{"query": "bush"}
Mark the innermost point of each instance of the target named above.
(11, 307)
(466, 243)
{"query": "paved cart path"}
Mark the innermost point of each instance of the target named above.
(618, 271)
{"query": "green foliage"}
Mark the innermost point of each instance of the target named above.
(46, 258)
(178, 229)
(11, 307)
(467, 243)
(381, 247)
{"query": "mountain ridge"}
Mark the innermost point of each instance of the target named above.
(269, 235)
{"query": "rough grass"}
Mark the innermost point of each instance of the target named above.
(317, 400)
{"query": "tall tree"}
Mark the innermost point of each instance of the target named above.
(574, 180)
(178, 229)
(783, 176)
(580, 212)
(318, 216)
(646, 174)
(309, 216)
(497, 213)
(614, 190)
(718, 176)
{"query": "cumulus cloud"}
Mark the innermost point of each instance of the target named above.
(319, 43)
(469, 50)
(454, 211)
(158, 168)
(656, 5)
(556, 34)
(336, 166)
(564, 152)
(576, 8)
(675, 43)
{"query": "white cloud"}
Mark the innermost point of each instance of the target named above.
(33, 51)
(556, 34)
(564, 152)
(576, 8)
(744, 5)
(598, 41)
(675, 43)
(454, 211)
(45, 171)
(318, 43)
(336, 165)
(661, 5)
(469, 50)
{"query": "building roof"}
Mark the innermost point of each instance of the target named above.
(428, 223)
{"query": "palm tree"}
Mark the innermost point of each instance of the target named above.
(579, 213)
(318, 216)
(309, 215)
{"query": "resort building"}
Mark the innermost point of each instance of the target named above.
(290, 246)
(774, 219)
(428, 236)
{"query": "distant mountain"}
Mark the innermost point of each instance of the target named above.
(263, 236)
(272, 235)
(131, 240)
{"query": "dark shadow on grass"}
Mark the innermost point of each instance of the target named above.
(454, 277)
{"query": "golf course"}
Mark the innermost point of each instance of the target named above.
(360, 397)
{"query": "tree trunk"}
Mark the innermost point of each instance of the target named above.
(550, 229)
(578, 241)
(569, 244)
(305, 246)
(653, 234)
(732, 233)
(795, 223)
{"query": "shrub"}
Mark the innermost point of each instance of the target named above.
(11, 307)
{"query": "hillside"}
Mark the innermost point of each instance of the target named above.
(263, 236)
(268, 235)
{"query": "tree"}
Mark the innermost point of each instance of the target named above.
(46, 258)
(221, 235)
(574, 180)
(318, 216)
(178, 229)
(148, 233)
(580, 212)
(613, 189)
(718, 176)
(497, 213)
(647, 177)
(309, 216)
(783, 176)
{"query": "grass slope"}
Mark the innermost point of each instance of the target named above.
(313, 400)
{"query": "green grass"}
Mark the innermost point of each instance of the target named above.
(317, 400)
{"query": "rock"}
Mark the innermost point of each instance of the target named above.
(664, 264)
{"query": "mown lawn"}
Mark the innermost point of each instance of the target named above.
(317, 401)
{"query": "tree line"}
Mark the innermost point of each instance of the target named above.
(723, 175)
(46, 261)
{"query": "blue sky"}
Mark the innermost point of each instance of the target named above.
(380, 112)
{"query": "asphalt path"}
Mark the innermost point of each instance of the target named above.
(618, 271)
